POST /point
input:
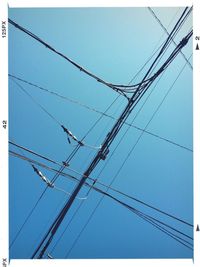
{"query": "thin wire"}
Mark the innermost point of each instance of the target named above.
(97, 189)
(32, 161)
(39, 199)
(164, 48)
(165, 30)
(167, 232)
(68, 193)
(155, 50)
(133, 209)
(74, 63)
(122, 165)
(33, 99)
(44, 89)
(104, 114)
(65, 57)
(142, 215)
(57, 175)
(147, 216)
(125, 133)
(52, 117)
(143, 80)
(155, 221)
(157, 109)
(59, 219)
(152, 65)
(62, 234)
(34, 153)
(146, 125)
(167, 43)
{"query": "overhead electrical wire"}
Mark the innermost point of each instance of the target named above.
(109, 139)
(166, 31)
(68, 132)
(167, 232)
(140, 213)
(167, 43)
(144, 216)
(137, 212)
(102, 113)
(138, 97)
(72, 177)
(34, 153)
(141, 85)
(65, 57)
(127, 131)
(138, 139)
(155, 50)
(47, 181)
(65, 164)
(150, 119)
(158, 221)
(114, 87)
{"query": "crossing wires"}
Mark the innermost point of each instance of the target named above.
(102, 154)
(66, 58)
(136, 91)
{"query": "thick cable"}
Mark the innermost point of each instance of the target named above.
(104, 114)
(65, 57)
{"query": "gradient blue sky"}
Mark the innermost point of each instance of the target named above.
(113, 43)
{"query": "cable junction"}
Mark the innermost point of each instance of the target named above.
(95, 181)
(99, 112)
(44, 179)
(67, 58)
(58, 172)
(138, 92)
(165, 30)
(110, 138)
(115, 87)
(155, 222)
(68, 132)
(51, 185)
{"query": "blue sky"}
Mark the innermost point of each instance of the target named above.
(113, 43)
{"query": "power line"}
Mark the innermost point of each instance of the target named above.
(123, 163)
(167, 43)
(68, 132)
(165, 30)
(137, 141)
(128, 156)
(155, 50)
(147, 218)
(102, 113)
(164, 47)
(167, 232)
(23, 157)
(125, 205)
(128, 206)
(65, 57)
(101, 155)
(114, 87)
(118, 128)
(34, 153)
(37, 103)
(65, 164)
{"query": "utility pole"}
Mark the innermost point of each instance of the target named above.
(102, 153)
